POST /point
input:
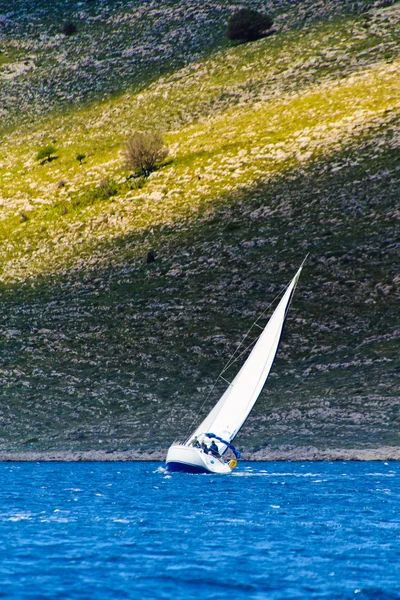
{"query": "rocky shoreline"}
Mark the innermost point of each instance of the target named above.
(295, 454)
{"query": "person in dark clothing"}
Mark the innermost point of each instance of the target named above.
(213, 448)
(195, 443)
(204, 447)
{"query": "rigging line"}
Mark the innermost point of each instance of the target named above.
(228, 366)
(201, 408)
(233, 359)
(278, 333)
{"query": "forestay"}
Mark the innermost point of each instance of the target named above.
(234, 406)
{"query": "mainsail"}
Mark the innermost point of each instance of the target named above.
(234, 406)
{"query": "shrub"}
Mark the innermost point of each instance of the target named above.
(247, 25)
(107, 188)
(69, 28)
(143, 152)
(46, 153)
(80, 158)
(138, 183)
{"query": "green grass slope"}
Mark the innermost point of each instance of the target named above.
(277, 148)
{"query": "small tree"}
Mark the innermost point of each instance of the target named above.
(143, 152)
(44, 154)
(80, 158)
(248, 25)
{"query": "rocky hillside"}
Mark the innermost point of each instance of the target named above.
(280, 147)
(117, 45)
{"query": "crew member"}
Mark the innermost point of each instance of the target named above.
(213, 448)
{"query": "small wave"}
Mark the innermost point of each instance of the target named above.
(121, 521)
(19, 517)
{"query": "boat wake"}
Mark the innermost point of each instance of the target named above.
(162, 470)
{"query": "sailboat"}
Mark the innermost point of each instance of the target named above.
(204, 449)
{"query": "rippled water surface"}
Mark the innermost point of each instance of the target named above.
(270, 530)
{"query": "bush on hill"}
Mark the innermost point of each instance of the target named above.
(143, 152)
(107, 188)
(248, 25)
(69, 28)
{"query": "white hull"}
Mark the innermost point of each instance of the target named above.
(193, 460)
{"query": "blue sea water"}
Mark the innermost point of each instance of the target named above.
(270, 530)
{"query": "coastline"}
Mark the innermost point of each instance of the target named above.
(295, 454)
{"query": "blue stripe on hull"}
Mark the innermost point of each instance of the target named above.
(184, 468)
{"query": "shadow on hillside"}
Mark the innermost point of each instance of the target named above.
(50, 159)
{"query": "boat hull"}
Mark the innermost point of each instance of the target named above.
(187, 459)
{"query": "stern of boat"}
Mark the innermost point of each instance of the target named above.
(188, 459)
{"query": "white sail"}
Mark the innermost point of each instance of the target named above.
(234, 406)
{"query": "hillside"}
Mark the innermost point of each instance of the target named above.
(281, 147)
